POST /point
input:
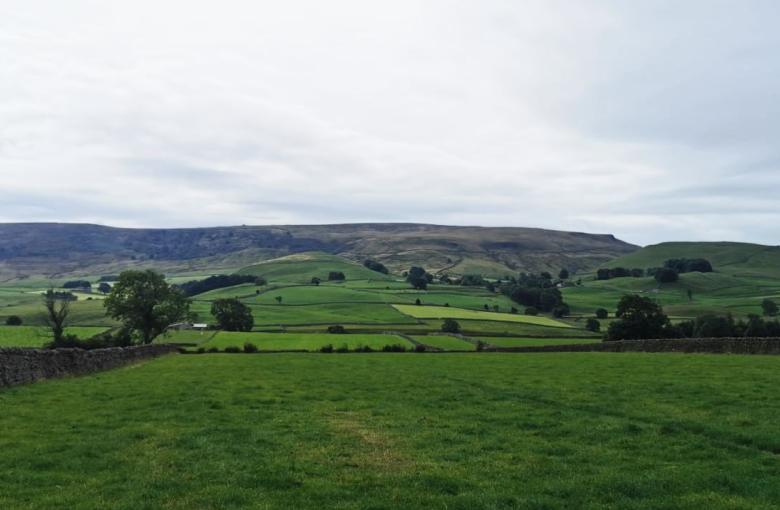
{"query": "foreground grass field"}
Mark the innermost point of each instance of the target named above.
(460, 431)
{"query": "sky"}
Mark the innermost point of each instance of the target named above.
(650, 120)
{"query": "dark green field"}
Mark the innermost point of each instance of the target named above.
(460, 431)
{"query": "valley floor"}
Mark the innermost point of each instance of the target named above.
(470, 431)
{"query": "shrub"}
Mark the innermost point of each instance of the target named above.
(593, 325)
(200, 350)
(232, 349)
(769, 307)
(327, 348)
(212, 349)
(394, 348)
(363, 348)
(481, 345)
(419, 348)
(531, 310)
(250, 347)
(666, 275)
(13, 320)
(417, 302)
(342, 348)
(336, 329)
(450, 326)
(602, 313)
(560, 311)
(446, 305)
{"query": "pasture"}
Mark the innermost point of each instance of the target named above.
(301, 341)
(406, 431)
(445, 312)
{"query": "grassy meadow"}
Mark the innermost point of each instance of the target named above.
(460, 431)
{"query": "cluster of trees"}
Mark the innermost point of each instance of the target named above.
(640, 317)
(536, 291)
(77, 284)
(373, 265)
(219, 281)
(336, 276)
(419, 278)
(683, 265)
(663, 274)
(619, 272)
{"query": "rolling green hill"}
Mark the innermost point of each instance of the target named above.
(302, 267)
(744, 274)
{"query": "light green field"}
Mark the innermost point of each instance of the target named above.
(399, 431)
(302, 341)
(442, 312)
(445, 342)
(35, 336)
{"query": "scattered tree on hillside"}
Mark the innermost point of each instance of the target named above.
(563, 274)
(13, 320)
(336, 276)
(145, 303)
(418, 278)
(638, 317)
(602, 313)
(450, 326)
(373, 265)
(593, 325)
(232, 315)
(278, 300)
(769, 307)
(683, 265)
(315, 281)
(56, 316)
(533, 291)
(104, 288)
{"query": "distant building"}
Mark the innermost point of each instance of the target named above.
(200, 326)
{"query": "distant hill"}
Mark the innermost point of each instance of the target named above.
(734, 259)
(59, 249)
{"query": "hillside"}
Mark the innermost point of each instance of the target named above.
(744, 274)
(55, 249)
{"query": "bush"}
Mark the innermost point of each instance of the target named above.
(593, 325)
(363, 348)
(560, 311)
(336, 329)
(342, 348)
(450, 326)
(212, 349)
(666, 275)
(481, 345)
(394, 348)
(327, 348)
(417, 302)
(768, 306)
(232, 349)
(531, 310)
(602, 313)
(13, 320)
(250, 347)
(336, 276)
(419, 348)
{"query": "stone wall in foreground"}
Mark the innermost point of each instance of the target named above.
(704, 345)
(22, 366)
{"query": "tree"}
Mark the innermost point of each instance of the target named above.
(232, 315)
(77, 284)
(336, 276)
(104, 288)
(592, 325)
(373, 265)
(561, 310)
(417, 278)
(145, 303)
(417, 302)
(602, 313)
(563, 274)
(278, 300)
(450, 326)
(57, 311)
(769, 307)
(666, 275)
(639, 317)
(13, 320)
(315, 281)
(531, 310)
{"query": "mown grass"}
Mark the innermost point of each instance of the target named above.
(448, 312)
(406, 431)
(302, 341)
(36, 336)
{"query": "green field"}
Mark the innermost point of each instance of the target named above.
(302, 267)
(406, 431)
(529, 342)
(302, 341)
(34, 336)
(446, 343)
(446, 312)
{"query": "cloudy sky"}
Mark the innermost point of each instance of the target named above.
(652, 120)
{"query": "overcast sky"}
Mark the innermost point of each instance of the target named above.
(650, 120)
